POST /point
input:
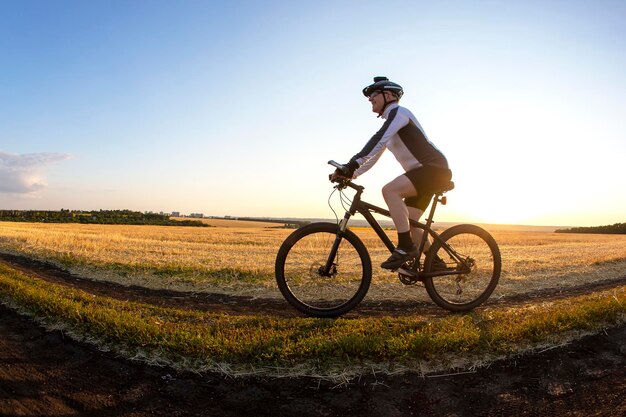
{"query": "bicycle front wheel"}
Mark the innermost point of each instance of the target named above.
(469, 259)
(307, 284)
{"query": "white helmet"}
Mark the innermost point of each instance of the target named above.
(383, 84)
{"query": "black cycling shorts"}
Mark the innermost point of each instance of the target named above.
(426, 180)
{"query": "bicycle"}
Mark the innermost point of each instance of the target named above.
(324, 270)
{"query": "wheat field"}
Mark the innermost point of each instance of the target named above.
(241, 259)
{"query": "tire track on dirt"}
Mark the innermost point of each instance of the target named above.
(240, 305)
(45, 373)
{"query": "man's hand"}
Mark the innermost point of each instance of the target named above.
(343, 172)
(338, 175)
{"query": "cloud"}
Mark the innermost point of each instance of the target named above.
(24, 174)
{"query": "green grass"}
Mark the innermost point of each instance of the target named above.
(182, 273)
(206, 339)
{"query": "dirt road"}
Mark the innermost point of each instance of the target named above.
(47, 374)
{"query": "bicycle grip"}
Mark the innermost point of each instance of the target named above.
(341, 168)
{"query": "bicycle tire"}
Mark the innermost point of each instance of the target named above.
(460, 293)
(300, 259)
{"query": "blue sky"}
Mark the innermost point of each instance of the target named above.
(233, 108)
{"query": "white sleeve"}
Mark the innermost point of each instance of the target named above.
(375, 147)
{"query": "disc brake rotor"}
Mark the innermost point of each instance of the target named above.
(317, 270)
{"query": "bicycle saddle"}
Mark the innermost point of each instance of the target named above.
(447, 187)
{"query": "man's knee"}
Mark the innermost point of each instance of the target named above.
(389, 191)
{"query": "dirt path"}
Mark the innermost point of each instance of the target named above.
(232, 304)
(46, 374)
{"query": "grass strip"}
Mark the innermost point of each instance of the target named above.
(181, 272)
(183, 335)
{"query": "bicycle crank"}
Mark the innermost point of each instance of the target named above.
(407, 275)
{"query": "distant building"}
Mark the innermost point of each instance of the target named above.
(196, 215)
(176, 214)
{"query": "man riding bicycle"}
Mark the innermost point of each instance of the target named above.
(426, 168)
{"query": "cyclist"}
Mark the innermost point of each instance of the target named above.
(426, 168)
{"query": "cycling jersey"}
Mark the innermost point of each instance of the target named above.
(404, 137)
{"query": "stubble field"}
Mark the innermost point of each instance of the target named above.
(240, 260)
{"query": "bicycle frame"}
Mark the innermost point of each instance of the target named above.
(366, 209)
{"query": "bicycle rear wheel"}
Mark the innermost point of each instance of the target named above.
(472, 251)
(300, 270)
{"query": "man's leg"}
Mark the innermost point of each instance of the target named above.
(394, 194)
(414, 206)
(416, 232)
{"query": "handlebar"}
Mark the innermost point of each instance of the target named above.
(335, 164)
(343, 182)
(341, 168)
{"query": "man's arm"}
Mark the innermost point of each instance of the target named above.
(374, 148)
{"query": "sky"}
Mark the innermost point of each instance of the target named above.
(235, 107)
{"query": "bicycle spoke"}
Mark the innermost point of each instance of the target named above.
(472, 252)
(304, 271)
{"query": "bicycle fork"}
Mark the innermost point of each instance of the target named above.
(327, 270)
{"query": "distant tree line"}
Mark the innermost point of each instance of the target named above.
(94, 217)
(617, 228)
(287, 223)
